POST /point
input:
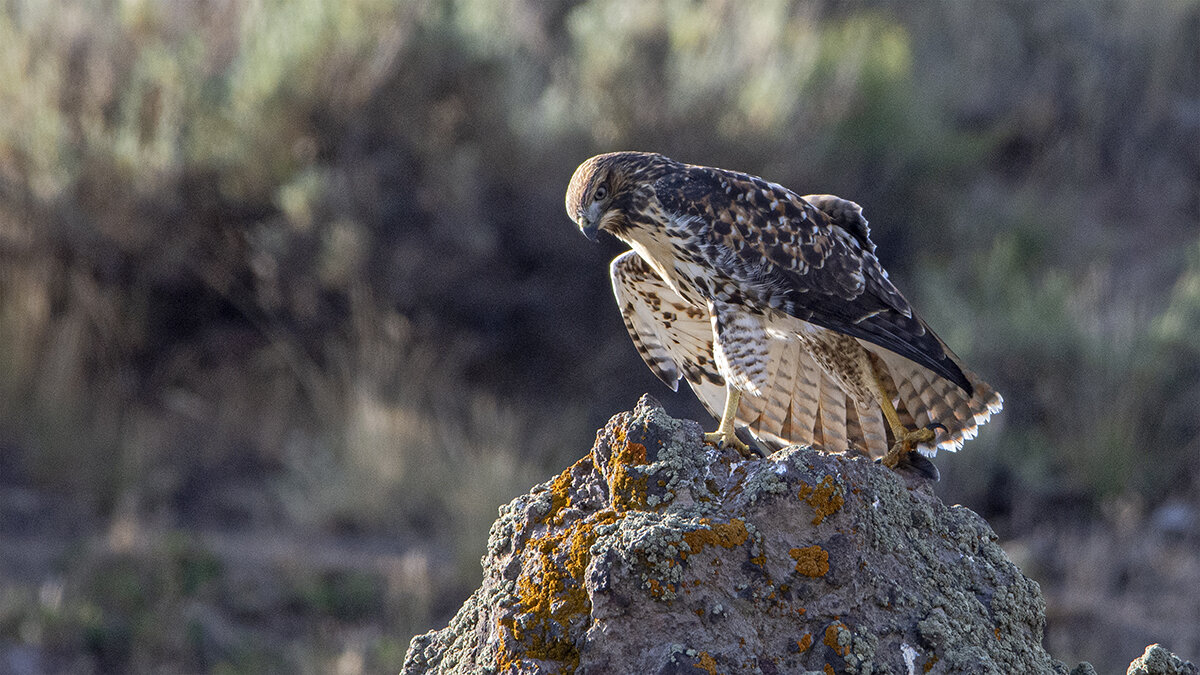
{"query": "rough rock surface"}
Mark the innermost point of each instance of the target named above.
(1159, 661)
(657, 553)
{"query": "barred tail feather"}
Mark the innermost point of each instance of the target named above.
(923, 398)
(833, 416)
(803, 405)
(787, 411)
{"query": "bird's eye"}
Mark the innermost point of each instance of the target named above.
(601, 193)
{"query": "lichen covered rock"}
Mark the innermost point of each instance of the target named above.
(1159, 661)
(657, 553)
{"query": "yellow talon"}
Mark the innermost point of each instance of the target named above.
(725, 435)
(728, 437)
(906, 442)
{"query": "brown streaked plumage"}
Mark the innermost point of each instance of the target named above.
(739, 285)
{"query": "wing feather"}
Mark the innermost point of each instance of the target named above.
(673, 337)
(800, 403)
(787, 254)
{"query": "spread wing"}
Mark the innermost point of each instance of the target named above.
(800, 402)
(813, 261)
(674, 337)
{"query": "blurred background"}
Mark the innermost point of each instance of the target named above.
(289, 304)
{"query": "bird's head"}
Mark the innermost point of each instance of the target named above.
(604, 190)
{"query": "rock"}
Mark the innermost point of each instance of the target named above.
(657, 553)
(1159, 661)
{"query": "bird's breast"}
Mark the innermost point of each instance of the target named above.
(699, 270)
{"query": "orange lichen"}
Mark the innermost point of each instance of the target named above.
(828, 670)
(707, 663)
(824, 499)
(709, 533)
(811, 561)
(929, 664)
(627, 492)
(634, 453)
(805, 642)
(550, 591)
(658, 590)
(559, 497)
(726, 535)
(831, 638)
(584, 535)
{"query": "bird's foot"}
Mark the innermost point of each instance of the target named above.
(907, 441)
(726, 437)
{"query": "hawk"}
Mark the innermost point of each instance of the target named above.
(775, 310)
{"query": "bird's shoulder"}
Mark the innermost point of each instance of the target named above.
(753, 221)
(745, 210)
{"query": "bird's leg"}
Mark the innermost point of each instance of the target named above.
(725, 434)
(906, 440)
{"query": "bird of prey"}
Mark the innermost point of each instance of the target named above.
(775, 310)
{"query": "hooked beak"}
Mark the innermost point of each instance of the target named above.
(588, 228)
